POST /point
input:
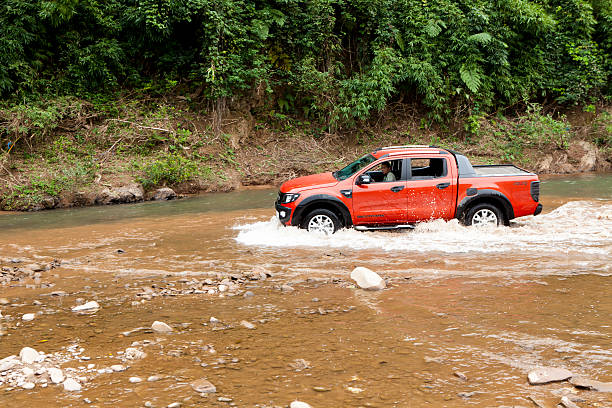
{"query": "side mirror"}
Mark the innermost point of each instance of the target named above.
(363, 179)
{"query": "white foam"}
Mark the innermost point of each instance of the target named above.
(576, 227)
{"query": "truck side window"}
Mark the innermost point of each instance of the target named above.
(426, 168)
(377, 172)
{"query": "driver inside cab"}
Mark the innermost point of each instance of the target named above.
(385, 167)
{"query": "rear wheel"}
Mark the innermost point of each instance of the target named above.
(484, 215)
(322, 220)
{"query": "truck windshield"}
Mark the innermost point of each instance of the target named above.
(354, 167)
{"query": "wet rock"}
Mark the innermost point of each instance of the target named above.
(224, 399)
(567, 403)
(213, 319)
(71, 385)
(132, 353)
(582, 382)
(367, 279)
(286, 288)
(28, 317)
(203, 386)
(135, 380)
(536, 402)
(174, 405)
(321, 389)
(154, 378)
(544, 375)
(163, 193)
(161, 327)
(222, 288)
(300, 364)
(28, 385)
(28, 355)
(460, 375)
(56, 375)
(4, 301)
(248, 294)
(117, 368)
(125, 194)
(8, 363)
(248, 325)
(466, 394)
(299, 404)
(89, 306)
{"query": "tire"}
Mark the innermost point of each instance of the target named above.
(483, 215)
(322, 220)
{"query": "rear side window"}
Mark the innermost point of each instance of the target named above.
(427, 168)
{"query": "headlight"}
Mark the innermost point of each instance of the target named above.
(289, 198)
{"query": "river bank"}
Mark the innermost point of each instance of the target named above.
(87, 156)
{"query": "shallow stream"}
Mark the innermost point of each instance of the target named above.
(467, 314)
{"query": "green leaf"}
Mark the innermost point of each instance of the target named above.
(480, 38)
(471, 76)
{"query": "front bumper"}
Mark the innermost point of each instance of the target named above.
(283, 213)
(538, 209)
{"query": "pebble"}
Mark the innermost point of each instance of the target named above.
(135, 380)
(132, 353)
(286, 288)
(28, 355)
(117, 368)
(367, 279)
(299, 404)
(28, 317)
(161, 327)
(174, 405)
(71, 385)
(567, 403)
(213, 319)
(224, 399)
(222, 288)
(154, 378)
(248, 294)
(203, 386)
(28, 385)
(56, 375)
(92, 305)
(248, 325)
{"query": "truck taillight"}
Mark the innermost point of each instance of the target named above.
(535, 191)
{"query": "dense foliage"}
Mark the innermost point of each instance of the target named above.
(333, 60)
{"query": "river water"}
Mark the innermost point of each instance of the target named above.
(467, 314)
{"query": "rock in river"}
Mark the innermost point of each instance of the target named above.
(71, 385)
(367, 279)
(299, 404)
(28, 355)
(56, 375)
(161, 327)
(581, 382)
(28, 317)
(543, 375)
(203, 386)
(89, 306)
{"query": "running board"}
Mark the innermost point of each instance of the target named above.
(390, 227)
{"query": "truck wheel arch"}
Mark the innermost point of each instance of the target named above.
(493, 197)
(323, 201)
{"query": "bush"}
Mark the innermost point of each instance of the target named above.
(169, 170)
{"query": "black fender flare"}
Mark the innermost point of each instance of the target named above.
(321, 201)
(486, 195)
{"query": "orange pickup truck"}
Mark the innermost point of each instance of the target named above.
(399, 186)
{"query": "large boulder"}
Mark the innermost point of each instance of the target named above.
(367, 279)
(164, 193)
(124, 194)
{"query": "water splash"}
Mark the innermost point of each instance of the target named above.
(576, 227)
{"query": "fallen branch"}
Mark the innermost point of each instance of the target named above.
(142, 126)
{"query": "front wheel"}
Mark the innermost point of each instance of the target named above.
(484, 215)
(323, 221)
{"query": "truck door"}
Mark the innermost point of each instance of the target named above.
(381, 201)
(431, 188)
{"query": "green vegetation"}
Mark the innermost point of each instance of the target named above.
(334, 60)
(168, 92)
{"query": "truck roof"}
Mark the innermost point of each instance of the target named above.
(393, 150)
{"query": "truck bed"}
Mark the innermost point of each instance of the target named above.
(500, 170)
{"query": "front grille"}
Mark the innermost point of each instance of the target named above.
(535, 191)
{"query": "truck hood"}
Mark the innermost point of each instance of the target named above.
(308, 182)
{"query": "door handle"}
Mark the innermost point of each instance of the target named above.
(442, 186)
(397, 189)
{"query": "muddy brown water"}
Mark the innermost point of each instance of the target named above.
(485, 304)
